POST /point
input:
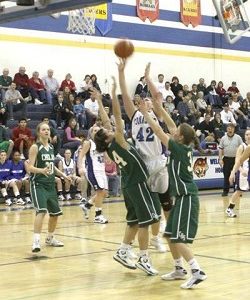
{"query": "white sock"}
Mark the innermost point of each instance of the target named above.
(98, 208)
(50, 235)
(194, 264)
(124, 246)
(178, 262)
(36, 237)
(154, 237)
(143, 253)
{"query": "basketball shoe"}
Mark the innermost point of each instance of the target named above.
(144, 264)
(51, 241)
(100, 219)
(197, 277)
(122, 257)
(178, 273)
(230, 213)
(36, 246)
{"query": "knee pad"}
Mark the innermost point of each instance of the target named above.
(166, 201)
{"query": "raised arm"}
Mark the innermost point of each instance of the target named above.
(104, 116)
(119, 134)
(128, 103)
(154, 125)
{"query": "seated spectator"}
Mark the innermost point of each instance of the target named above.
(3, 114)
(55, 139)
(227, 116)
(185, 114)
(67, 82)
(141, 87)
(233, 89)
(211, 95)
(243, 119)
(178, 98)
(201, 86)
(51, 86)
(63, 113)
(167, 91)
(18, 173)
(92, 109)
(71, 102)
(7, 182)
(70, 140)
(22, 82)
(176, 86)
(218, 125)
(248, 98)
(221, 92)
(22, 138)
(185, 89)
(205, 127)
(192, 106)
(5, 143)
(68, 167)
(5, 82)
(201, 104)
(66, 94)
(160, 85)
(209, 110)
(80, 113)
(113, 178)
(234, 106)
(169, 105)
(15, 101)
(84, 88)
(37, 89)
(94, 82)
(194, 93)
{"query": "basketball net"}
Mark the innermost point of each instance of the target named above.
(82, 20)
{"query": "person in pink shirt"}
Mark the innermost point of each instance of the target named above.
(113, 177)
(69, 83)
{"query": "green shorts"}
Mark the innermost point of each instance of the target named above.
(183, 219)
(143, 206)
(4, 146)
(45, 198)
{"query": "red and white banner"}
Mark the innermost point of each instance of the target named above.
(191, 12)
(148, 9)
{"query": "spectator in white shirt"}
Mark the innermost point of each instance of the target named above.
(227, 116)
(160, 85)
(167, 91)
(92, 109)
(51, 86)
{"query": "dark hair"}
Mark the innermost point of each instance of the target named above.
(160, 75)
(22, 119)
(100, 141)
(93, 75)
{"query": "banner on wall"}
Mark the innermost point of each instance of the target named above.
(103, 18)
(148, 9)
(191, 12)
(207, 167)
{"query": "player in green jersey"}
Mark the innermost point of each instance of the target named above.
(182, 223)
(143, 207)
(42, 186)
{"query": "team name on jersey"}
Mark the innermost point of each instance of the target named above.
(48, 157)
(141, 120)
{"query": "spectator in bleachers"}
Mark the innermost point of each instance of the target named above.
(51, 86)
(15, 101)
(62, 111)
(221, 92)
(71, 102)
(22, 82)
(227, 116)
(92, 108)
(178, 98)
(67, 82)
(243, 119)
(94, 82)
(66, 93)
(68, 167)
(22, 137)
(169, 104)
(6, 144)
(3, 114)
(167, 91)
(194, 93)
(85, 87)
(239, 116)
(218, 125)
(185, 89)
(70, 140)
(193, 110)
(201, 86)
(7, 182)
(160, 85)
(185, 113)
(5, 82)
(18, 173)
(211, 95)
(37, 89)
(55, 139)
(248, 98)
(175, 85)
(113, 177)
(201, 104)
(141, 87)
(205, 127)
(233, 89)
(209, 110)
(80, 113)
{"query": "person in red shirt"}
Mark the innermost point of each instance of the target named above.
(69, 83)
(37, 89)
(22, 137)
(22, 82)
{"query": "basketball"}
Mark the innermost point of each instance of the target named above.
(124, 48)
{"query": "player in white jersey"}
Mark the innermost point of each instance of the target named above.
(149, 146)
(96, 175)
(68, 167)
(240, 178)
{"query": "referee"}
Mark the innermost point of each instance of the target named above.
(227, 152)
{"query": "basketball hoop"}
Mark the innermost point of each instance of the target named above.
(82, 20)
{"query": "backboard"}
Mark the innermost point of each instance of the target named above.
(9, 11)
(233, 18)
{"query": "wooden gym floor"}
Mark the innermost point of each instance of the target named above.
(84, 268)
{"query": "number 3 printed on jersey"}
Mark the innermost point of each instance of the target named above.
(147, 136)
(50, 166)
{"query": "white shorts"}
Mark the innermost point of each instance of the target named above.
(158, 171)
(98, 180)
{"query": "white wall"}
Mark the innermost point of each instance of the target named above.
(36, 51)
